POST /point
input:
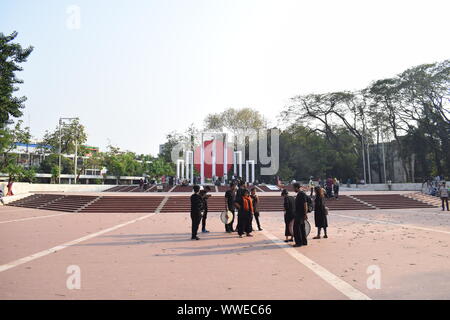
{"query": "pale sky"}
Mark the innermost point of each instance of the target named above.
(135, 70)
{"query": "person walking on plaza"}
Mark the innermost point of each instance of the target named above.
(320, 214)
(311, 186)
(443, 193)
(230, 196)
(301, 209)
(196, 211)
(204, 194)
(245, 215)
(255, 202)
(289, 213)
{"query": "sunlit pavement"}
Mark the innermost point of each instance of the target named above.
(373, 254)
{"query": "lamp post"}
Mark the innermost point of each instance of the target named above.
(60, 138)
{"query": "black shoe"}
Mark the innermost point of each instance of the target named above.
(286, 240)
(195, 238)
(297, 245)
(260, 229)
(291, 240)
(204, 231)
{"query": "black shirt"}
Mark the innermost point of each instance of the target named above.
(205, 203)
(196, 204)
(289, 206)
(300, 201)
(230, 196)
(255, 201)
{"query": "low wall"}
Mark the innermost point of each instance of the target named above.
(22, 187)
(383, 187)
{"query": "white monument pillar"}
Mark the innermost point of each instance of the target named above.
(202, 162)
(180, 169)
(190, 166)
(213, 157)
(237, 163)
(250, 166)
(225, 159)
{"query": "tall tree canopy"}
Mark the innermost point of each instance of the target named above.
(11, 56)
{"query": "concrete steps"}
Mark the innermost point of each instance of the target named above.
(392, 201)
(181, 204)
(431, 200)
(124, 204)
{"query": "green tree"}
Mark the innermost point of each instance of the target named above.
(11, 56)
(159, 167)
(71, 133)
(238, 121)
(52, 161)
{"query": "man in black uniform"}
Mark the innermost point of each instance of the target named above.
(230, 196)
(301, 209)
(196, 211)
(204, 194)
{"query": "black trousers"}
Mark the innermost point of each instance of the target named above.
(287, 221)
(444, 201)
(196, 218)
(257, 220)
(244, 222)
(300, 232)
(229, 227)
(205, 215)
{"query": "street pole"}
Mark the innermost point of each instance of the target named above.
(363, 157)
(368, 161)
(59, 160)
(384, 157)
(75, 165)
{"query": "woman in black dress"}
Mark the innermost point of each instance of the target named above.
(320, 218)
(289, 212)
(255, 200)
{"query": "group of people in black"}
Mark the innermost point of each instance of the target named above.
(244, 202)
(238, 199)
(296, 213)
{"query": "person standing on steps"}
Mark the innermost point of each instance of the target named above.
(336, 188)
(301, 209)
(196, 211)
(255, 202)
(320, 217)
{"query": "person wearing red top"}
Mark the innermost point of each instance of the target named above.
(245, 215)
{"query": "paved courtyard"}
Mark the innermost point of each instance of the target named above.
(150, 256)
